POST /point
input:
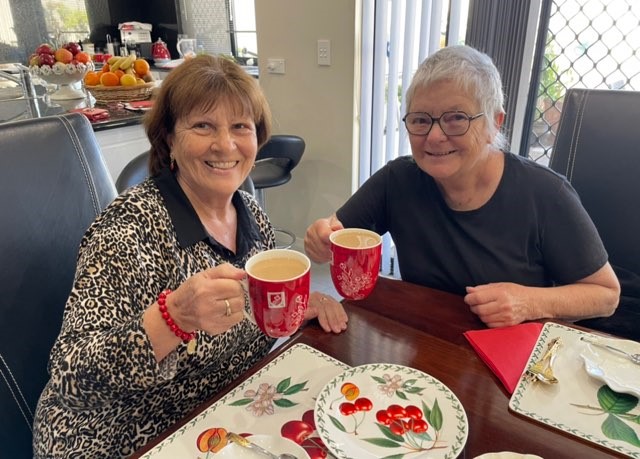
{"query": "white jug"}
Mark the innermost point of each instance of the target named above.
(186, 47)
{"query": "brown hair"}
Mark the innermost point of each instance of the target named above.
(198, 84)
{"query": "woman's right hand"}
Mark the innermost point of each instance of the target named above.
(316, 240)
(199, 303)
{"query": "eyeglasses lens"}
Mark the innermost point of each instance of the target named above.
(451, 123)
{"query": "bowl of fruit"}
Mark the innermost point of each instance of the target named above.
(121, 79)
(64, 67)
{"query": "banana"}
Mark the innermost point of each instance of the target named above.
(128, 61)
(116, 64)
(112, 60)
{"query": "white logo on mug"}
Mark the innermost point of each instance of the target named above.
(276, 300)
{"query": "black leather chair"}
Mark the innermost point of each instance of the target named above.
(137, 170)
(53, 183)
(134, 172)
(597, 148)
(274, 163)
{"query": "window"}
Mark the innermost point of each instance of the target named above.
(592, 44)
(66, 20)
(244, 44)
(26, 24)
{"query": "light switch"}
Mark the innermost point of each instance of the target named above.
(324, 52)
(275, 66)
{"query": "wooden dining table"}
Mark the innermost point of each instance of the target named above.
(422, 328)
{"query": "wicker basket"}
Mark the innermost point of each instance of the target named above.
(107, 94)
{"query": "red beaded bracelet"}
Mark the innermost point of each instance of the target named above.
(162, 305)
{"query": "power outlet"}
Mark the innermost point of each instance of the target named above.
(275, 66)
(324, 52)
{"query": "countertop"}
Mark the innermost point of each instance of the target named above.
(18, 109)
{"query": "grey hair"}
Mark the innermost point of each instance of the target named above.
(472, 71)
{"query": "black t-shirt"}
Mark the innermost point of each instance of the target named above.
(533, 231)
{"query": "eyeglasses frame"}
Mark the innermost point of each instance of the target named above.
(436, 119)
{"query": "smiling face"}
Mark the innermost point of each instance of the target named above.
(214, 151)
(449, 157)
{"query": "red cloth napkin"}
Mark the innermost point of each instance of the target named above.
(506, 350)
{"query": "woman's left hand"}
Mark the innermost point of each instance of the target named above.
(499, 304)
(330, 313)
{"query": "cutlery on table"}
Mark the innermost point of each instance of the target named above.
(542, 370)
(244, 442)
(635, 358)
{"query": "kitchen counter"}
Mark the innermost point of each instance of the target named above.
(18, 108)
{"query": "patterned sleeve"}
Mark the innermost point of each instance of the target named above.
(103, 352)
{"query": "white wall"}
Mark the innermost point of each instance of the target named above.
(315, 102)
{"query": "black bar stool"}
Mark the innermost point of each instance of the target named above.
(273, 167)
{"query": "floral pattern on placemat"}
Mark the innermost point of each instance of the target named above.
(277, 400)
(578, 404)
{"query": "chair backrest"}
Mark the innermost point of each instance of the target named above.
(53, 183)
(137, 170)
(597, 148)
(276, 159)
(134, 172)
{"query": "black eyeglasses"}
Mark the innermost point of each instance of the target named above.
(452, 123)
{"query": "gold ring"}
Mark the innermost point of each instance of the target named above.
(323, 299)
(227, 312)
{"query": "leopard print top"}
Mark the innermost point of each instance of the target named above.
(107, 395)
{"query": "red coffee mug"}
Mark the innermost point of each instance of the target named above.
(278, 287)
(355, 261)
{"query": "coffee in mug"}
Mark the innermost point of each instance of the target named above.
(278, 283)
(355, 261)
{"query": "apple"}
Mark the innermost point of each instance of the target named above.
(34, 59)
(44, 48)
(47, 59)
(73, 47)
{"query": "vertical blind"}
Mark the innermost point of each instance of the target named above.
(499, 29)
(397, 36)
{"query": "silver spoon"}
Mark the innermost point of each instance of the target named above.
(244, 442)
(635, 358)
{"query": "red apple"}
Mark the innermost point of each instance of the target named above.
(73, 47)
(44, 48)
(47, 59)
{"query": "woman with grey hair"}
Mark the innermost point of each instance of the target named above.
(470, 218)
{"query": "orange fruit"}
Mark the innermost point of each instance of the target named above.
(105, 68)
(109, 79)
(119, 73)
(127, 80)
(92, 78)
(141, 67)
(83, 57)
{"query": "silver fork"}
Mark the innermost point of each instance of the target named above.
(635, 358)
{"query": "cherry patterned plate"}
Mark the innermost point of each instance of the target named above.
(385, 410)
